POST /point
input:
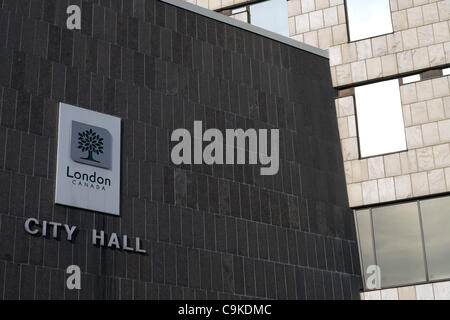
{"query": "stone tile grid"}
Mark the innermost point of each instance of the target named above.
(375, 67)
(322, 25)
(423, 169)
(430, 291)
(420, 40)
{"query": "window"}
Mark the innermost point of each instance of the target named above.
(436, 222)
(411, 79)
(380, 118)
(409, 242)
(240, 14)
(238, 10)
(398, 243)
(365, 235)
(271, 15)
(368, 19)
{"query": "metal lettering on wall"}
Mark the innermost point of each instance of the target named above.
(88, 162)
(55, 230)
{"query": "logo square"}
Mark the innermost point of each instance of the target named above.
(91, 145)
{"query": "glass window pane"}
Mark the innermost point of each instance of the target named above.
(365, 238)
(368, 19)
(380, 118)
(243, 16)
(436, 223)
(271, 15)
(238, 10)
(398, 244)
(411, 79)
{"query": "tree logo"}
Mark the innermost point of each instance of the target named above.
(89, 141)
(91, 145)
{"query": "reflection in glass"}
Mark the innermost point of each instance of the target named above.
(436, 222)
(271, 15)
(368, 19)
(398, 244)
(365, 240)
(380, 118)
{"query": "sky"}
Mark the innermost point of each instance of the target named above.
(271, 15)
(368, 18)
(380, 118)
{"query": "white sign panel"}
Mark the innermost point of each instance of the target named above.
(88, 161)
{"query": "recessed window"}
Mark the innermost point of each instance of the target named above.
(238, 10)
(365, 236)
(411, 79)
(409, 242)
(436, 222)
(398, 244)
(240, 14)
(271, 15)
(380, 118)
(368, 19)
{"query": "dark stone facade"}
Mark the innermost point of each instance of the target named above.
(210, 231)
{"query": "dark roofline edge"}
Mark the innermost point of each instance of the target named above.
(248, 27)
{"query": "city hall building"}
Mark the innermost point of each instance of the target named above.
(389, 61)
(159, 150)
(224, 149)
